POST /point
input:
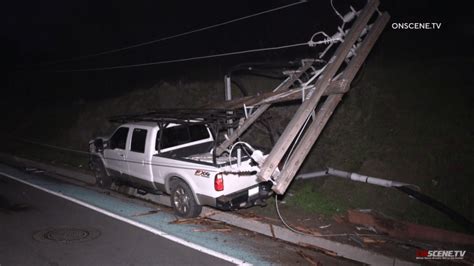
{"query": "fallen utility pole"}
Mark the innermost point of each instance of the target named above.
(323, 115)
(320, 96)
(296, 124)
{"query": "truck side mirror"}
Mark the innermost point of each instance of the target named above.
(99, 145)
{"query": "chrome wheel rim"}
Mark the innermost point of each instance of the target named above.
(181, 200)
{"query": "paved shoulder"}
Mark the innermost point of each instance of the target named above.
(38, 228)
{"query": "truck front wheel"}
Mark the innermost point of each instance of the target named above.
(182, 200)
(101, 178)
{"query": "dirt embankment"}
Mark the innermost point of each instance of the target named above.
(93, 117)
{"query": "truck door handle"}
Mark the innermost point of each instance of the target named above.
(121, 155)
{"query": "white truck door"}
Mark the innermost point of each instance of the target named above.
(138, 155)
(115, 153)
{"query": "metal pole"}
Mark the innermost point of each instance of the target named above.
(313, 175)
(228, 97)
(368, 179)
(356, 177)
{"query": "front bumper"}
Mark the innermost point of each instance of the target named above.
(255, 195)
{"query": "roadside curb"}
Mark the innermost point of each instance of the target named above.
(274, 231)
(49, 168)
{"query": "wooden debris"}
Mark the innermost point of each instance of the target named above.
(330, 253)
(209, 214)
(338, 218)
(224, 230)
(324, 226)
(370, 228)
(307, 231)
(408, 230)
(319, 249)
(308, 258)
(200, 220)
(184, 221)
(272, 230)
(368, 240)
(250, 215)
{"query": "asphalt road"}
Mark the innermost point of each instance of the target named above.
(27, 214)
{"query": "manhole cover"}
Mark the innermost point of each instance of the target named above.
(66, 234)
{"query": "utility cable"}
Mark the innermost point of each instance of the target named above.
(335, 10)
(176, 35)
(185, 59)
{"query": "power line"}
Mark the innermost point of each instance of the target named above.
(174, 36)
(187, 59)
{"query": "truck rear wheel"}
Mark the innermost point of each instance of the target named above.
(182, 200)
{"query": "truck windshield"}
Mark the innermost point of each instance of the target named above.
(174, 136)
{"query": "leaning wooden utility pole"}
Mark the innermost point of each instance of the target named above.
(311, 117)
(311, 134)
(287, 174)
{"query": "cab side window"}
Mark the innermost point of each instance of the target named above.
(138, 140)
(174, 136)
(119, 139)
(198, 132)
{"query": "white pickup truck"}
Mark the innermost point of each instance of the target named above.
(177, 159)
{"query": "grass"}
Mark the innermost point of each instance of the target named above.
(313, 201)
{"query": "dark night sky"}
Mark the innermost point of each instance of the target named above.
(43, 31)
(51, 30)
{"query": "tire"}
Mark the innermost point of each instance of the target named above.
(182, 200)
(102, 180)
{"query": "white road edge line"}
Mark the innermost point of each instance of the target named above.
(135, 223)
